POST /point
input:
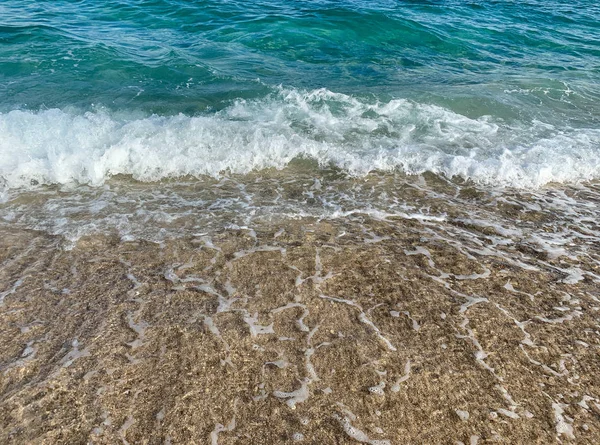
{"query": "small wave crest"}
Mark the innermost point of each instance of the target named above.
(357, 135)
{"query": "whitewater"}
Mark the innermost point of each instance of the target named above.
(66, 146)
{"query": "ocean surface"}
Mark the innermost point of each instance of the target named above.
(266, 222)
(99, 98)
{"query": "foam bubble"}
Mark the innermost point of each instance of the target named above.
(357, 135)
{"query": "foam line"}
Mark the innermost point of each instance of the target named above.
(63, 146)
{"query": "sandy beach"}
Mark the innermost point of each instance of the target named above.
(325, 331)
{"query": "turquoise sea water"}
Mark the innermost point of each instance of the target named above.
(501, 92)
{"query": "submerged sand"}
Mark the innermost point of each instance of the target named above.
(348, 330)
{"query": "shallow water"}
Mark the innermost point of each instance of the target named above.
(370, 326)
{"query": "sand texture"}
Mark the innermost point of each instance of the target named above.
(305, 331)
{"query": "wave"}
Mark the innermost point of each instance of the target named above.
(357, 135)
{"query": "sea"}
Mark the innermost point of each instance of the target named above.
(265, 221)
(139, 116)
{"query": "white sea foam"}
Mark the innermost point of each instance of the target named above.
(65, 146)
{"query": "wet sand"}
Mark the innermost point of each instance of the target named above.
(303, 330)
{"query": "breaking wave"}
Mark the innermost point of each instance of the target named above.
(357, 135)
